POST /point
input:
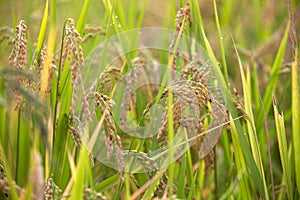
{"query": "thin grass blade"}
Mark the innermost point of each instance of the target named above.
(240, 164)
(283, 150)
(43, 30)
(296, 118)
(267, 99)
(250, 125)
(249, 160)
(82, 16)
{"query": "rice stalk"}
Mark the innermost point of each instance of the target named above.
(46, 72)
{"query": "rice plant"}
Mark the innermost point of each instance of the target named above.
(124, 99)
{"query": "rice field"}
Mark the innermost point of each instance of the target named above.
(148, 99)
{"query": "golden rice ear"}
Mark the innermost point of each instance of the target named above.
(18, 58)
(72, 51)
(90, 32)
(209, 162)
(112, 141)
(109, 74)
(76, 129)
(51, 189)
(182, 17)
(3, 181)
(91, 194)
(4, 184)
(38, 66)
(6, 35)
